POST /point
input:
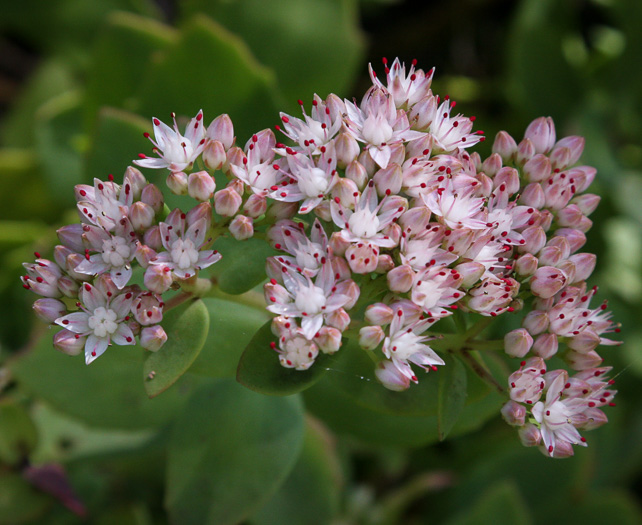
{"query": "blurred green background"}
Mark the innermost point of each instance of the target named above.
(79, 83)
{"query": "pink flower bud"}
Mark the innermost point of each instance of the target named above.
(595, 418)
(526, 264)
(541, 133)
(420, 147)
(545, 346)
(570, 217)
(158, 278)
(141, 216)
(470, 272)
(49, 309)
(584, 342)
(379, 314)
(492, 165)
(567, 152)
(514, 414)
(242, 227)
(535, 238)
(147, 309)
(508, 177)
(198, 212)
(348, 288)
(527, 383)
(347, 149)
(214, 155)
(547, 281)
(144, 254)
(255, 206)
(585, 224)
(323, 211)
(227, 202)
(339, 319)
(529, 435)
(235, 157)
(367, 162)
(282, 210)
(338, 244)
(71, 237)
(177, 183)
(136, 179)
(68, 286)
(421, 113)
(582, 177)
(357, 173)
(583, 360)
(69, 343)
(391, 377)
(385, 264)
(152, 238)
(201, 186)
(525, 152)
(362, 257)
(536, 321)
(388, 180)
(73, 260)
(415, 219)
(152, 337)
(587, 203)
(370, 337)
(538, 168)
(400, 279)
(153, 196)
(347, 192)
(584, 266)
(328, 340)
(549, 256)
(518, 342)
(533, 195)
(60, 256)
(505, 146)
(222, 130)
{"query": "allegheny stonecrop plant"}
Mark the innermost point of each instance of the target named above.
(386, 224)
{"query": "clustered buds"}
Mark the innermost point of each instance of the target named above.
(375, 207)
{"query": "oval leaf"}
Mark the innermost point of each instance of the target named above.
(187, 327)
(260, 370)
(229, 451)
(452, 395)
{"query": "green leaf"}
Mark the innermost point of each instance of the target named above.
(452, 394)
(319, 44)
(502, 504)
(235, 278)
(232, 326)
(229, 451)
(229, 79)
(107, 394)
(113, 145)
(261, 371)
(19, 501)
(311, 492)
(18, 436)
(186, 327)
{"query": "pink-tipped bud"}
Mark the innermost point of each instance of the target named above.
(61, 253)
(367, 162)
(379, 314)
(347, 192)
(242, 227)
(201, 186)
(545, 346)
(533, 195)
(338, 244)
(547, 281)
(514, 414)
(595, 418)
(529, 435)
(570, 217)
(255, 206)
(357, 173)
(339, 319)
(385, 264)
(144, 254)
(582, 176)
(505, 146)
(71, 237)
(177, 183)
(235, 157)
(584, 266)
(525, 152)
(518, 342)
(397, 153)
(583, 360)
(67, 342)
(471, 273)
(419, 148)
(575, 238)
(508, 177)
(141, 216)
(370, 337)
(68, 286)
(492, 165)
(147, 309)
(585, 341)
(567, 152)
(323, 211)
(152, 238)
(550, 256)
(538, 168)
(541, 133)
(421, 113)
(136, 179)
(362, 257)
(388, 180)
(400, 279)
(391, 377)
(535, 238)
(585, 225)
(328, 340)
(347, 149)
(415, 219)
(222, 130)
(282, 210)
(198, 212)
(587, 203)
(545, 219)
(49, 309)
(152, 337)
(227, 202)
(526, 265)
(73, 260)
(158, 278)
(214, 155)
(348, 288)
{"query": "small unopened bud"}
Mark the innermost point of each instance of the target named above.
(136, 179)
(583, 360)
(388, 180)
(514, 414)
(370, 337)
(71, 237)
(400, 279)
(141, 216)
(147, 309)
(595, 418)
(547, 281)
(242, 227)
(68, 286)
(526, 264)
(541, 133)
(201, 186)
(538, 168)
(69, 343)
(255, 206)
(367, 162)
(347, 149)
(153, 196)
(177, 183)
(227, 202)
(348, 288)
(585, 341)
(509, 177)
(152, 337)
(530, 435)
(549, 256)
(328, 340)
(470, 272)
(518, 342)
(536, 321)
(533, 195)
(379, 314)
(347, 192)
(282, 210)
(338, 244)
(535, 238)
(390, 376)
(339, 319)
(587, 203)
(357, 173)
(492, 164)
(567, 152)
(152, 238)
(198, 212)
(545, 346)
(584, 265)
(214, 155)
(158, 278)
(421, 113)
(505, 146)
(323, 211)
(525, 152)
(222, 130)
(49, 309)
(362, 257)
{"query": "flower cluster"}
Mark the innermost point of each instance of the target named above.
(386, 223)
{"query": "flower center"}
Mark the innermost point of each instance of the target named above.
(310, 300)
(184, 253)
(116, 252)
(103, 322)
(313, 182)
(308, 256)
(363, 223)
(376, 130)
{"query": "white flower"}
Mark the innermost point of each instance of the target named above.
(458, 207)
(407, 89)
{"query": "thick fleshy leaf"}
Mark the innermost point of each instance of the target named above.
(311, 492)
(18, 436)
(261, 371)
(244, 267)
(107, 394)
(452, 394)
(186, 327)
(229, 451)
(232, 326)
